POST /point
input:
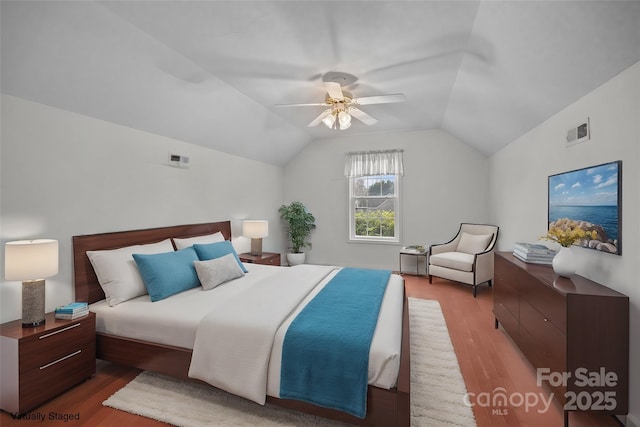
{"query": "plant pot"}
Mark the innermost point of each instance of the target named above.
(295, 259)
(565, 262)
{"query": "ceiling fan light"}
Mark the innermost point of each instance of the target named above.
(329, 120)
(345, 119)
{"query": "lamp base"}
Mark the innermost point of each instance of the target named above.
(256, 247)
(33, 325)
(32, 303)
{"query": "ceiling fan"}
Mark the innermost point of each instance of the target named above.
(342, 105)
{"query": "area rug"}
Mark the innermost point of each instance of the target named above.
(437, 389)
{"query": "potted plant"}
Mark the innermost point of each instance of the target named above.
(299, 226)
(566, 232)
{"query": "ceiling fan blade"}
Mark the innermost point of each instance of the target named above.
(380, 99)
(334, 90)
(318, 119)
(315, 104)
(362, 116)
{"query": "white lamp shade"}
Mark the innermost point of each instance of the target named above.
(255, 229)
(30, 259)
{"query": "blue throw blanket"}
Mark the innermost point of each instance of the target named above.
(325, 354)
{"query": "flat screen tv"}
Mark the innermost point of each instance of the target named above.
(589, 198)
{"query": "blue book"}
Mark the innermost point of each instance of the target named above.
(73, 307)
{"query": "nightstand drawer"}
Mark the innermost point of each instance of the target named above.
(272, 261)
(41, 383)
(267, 258)
(43, 348)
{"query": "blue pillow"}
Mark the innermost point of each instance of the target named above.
(217, 250)
(168, 273)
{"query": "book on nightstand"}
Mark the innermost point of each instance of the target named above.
(72, 311)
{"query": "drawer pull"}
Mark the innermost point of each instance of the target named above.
(59, 331)
(545, 319)
(61, 359)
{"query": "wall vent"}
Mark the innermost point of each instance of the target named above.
(579, 133)
(178, 161)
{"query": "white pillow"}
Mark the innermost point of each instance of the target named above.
(117, 271)
(200, 240)
(216, 271)
(473, 243)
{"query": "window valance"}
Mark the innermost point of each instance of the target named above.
(367, 163)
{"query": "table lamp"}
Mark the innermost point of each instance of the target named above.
(256, 230)
(31, 261)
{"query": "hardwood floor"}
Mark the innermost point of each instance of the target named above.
(488, 360)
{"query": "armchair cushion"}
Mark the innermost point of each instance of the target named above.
(454, 260)
(473, 243)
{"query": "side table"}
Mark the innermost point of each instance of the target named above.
(267, 258)
(416, 254)
(42, 362)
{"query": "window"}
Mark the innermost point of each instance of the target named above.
(374, 195)
(374, 207)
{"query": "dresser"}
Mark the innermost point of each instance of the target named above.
(40, 363)
(574, 332)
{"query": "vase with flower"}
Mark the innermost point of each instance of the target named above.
(567, 233)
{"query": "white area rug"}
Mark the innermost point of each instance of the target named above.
(437, 389)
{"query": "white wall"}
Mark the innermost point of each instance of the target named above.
(445, 182)
(519, 189)
(64, 174)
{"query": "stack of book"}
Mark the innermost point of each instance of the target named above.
(533, 253)
(72, 311)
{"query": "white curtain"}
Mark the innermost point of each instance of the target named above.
(367, 163)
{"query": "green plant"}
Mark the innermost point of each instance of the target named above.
(375, 223)
(299, 222)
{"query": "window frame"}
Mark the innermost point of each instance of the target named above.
(397, 197)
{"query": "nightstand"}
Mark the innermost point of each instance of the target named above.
(267, 258)
(40, 363)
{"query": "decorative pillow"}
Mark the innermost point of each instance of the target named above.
(168, 273)
(117, 272)
(217, 271)
(473, 243)
(190, 241)
(217, 250)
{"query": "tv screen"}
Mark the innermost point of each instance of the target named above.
(589, 198)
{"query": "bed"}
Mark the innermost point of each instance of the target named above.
(385, 407)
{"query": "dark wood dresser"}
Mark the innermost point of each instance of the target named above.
(573, 327)
(42, 362)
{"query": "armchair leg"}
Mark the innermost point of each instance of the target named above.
(490, 283)
(475, 290)
(430, 279)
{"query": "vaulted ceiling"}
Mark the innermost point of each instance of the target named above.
(211, 72)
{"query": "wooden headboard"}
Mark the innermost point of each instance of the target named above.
(85, 281)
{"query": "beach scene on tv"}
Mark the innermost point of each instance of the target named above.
(588, 200)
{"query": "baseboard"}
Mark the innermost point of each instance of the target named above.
(626, 420)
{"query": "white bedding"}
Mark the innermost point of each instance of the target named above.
(174, 321)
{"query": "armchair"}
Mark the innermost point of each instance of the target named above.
(467, 258)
